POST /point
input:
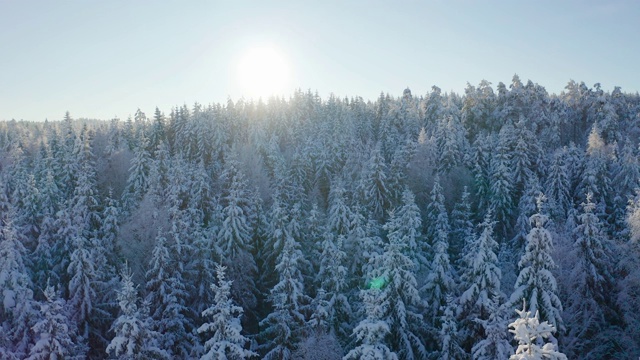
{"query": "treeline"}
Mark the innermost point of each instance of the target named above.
(410, 227)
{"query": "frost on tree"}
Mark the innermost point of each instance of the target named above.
(224, 329)
(529, 332)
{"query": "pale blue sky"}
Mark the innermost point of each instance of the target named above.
(100, 59)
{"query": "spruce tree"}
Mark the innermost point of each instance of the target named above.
(53, 330)
(372, 331)
(535, 282)
(226, 340)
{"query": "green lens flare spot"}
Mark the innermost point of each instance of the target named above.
(377, 283)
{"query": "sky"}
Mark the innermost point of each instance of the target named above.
(105, 59)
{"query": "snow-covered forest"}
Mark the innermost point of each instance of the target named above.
(310, 228)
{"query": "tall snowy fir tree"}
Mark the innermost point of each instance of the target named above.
(234, 236)
(281, 329)
(440, 280)
(590, 307)
(536, 284)
(396, 269)
(134, 339)
(16, 313)
(166, 294)
(225, 339)
(53, 330)
(480, 281)
(372, 331)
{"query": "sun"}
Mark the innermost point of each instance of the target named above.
(262, 72)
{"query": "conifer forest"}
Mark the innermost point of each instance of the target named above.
(501, 223)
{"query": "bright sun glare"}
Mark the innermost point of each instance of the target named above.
(262, 72)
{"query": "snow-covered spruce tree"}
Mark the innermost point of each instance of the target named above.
(339, 214)
(280, 330)
(53, 330)
(440, 279)
(372, 332)
(234, 237)
(501, 188)
(82, 293)
(138, 181)
(528, 331)
(480, 282)
(626, 178)
(448, 335)
(159, 173)
(373, 184)
(226, 340)
(536, 284)
(158, 133)
(595, 177)
(451, 140)
(333, 278)
(396, 268)
(133, 338)
(461, 228)
(16, 310)
(481, 170)
(558, 185)
(201, 271)
(526, 207)
(166, 296)
(277, 234)
(591, 293)
(398, 169)
(495, 344)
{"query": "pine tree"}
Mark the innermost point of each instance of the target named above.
(535, 282)
(226, 340)
(526, 330)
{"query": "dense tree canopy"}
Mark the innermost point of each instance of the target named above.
(389, 228)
